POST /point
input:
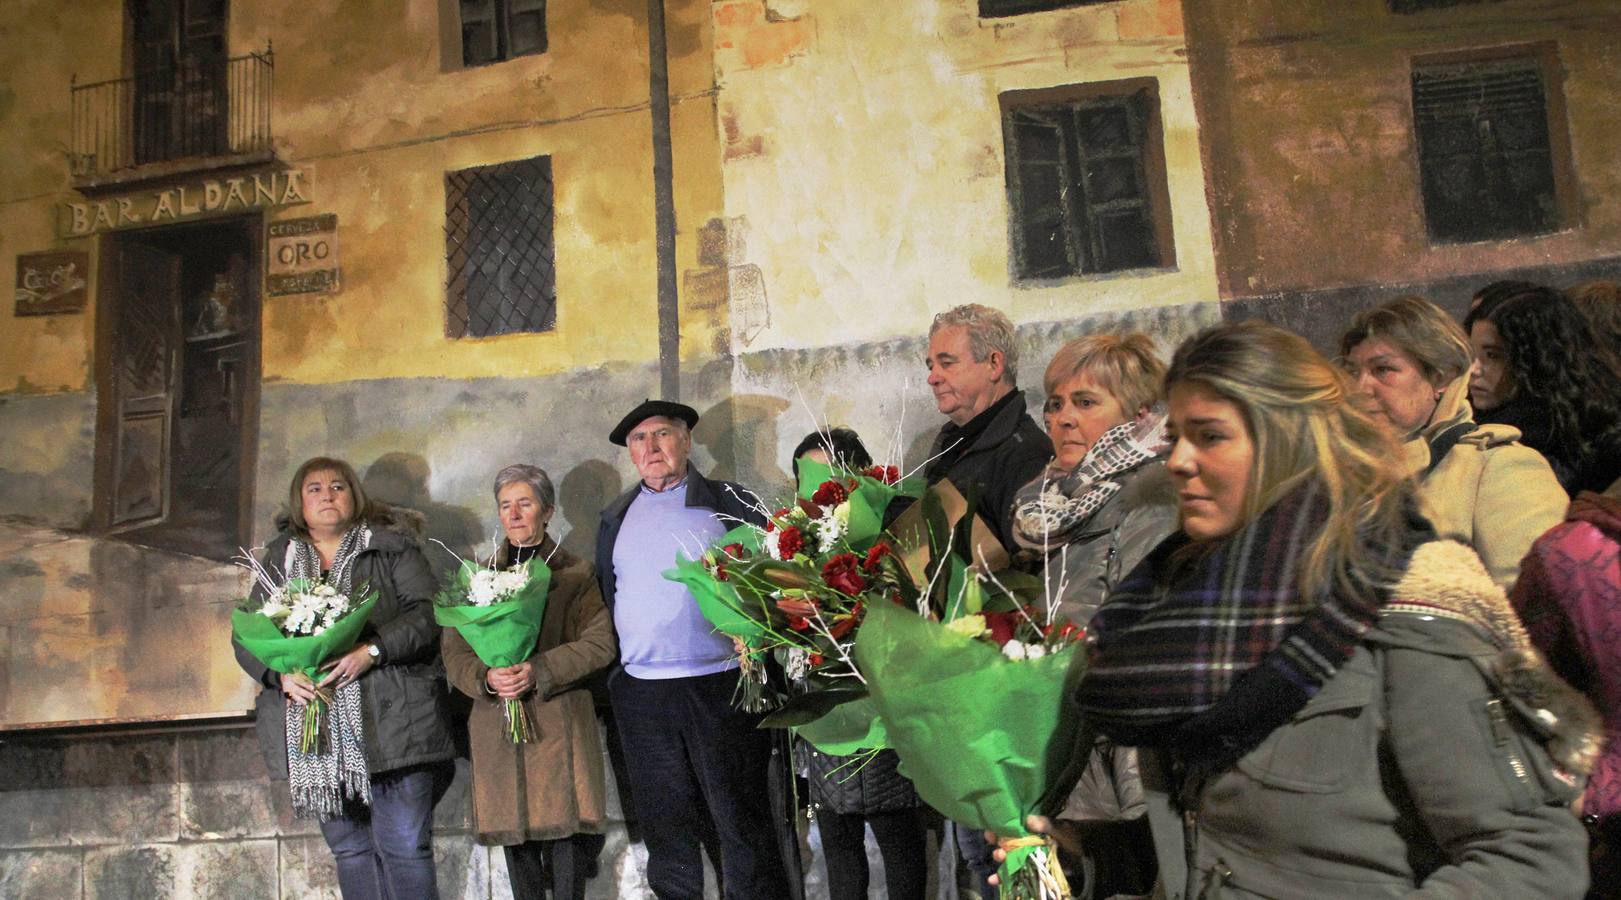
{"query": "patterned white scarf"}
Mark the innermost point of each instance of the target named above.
(1049, 514)
(321, 781)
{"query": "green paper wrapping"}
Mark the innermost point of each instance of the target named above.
(281, 653)
(502, 634)
(867, 503)
(719, 601)
(978, 734)
(846, 729)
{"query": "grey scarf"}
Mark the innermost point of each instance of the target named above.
(321, 781)
(1049, 514)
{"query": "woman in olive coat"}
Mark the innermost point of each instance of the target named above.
(543, 801)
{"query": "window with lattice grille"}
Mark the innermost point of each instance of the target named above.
(498, 249)
(1485, 155)
(1086, 183)
(995, 8)
(495, 30)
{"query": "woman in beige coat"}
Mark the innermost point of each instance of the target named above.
(542, 801)
(1478, 483)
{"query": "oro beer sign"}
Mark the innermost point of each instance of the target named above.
(302, 256)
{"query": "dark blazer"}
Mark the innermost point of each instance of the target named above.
(731, 501)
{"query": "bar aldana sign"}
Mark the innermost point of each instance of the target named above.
(51, 283)
(186, 202)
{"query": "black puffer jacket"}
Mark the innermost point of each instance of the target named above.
(847, 785)
(406, 719)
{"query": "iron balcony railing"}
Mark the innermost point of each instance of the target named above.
(194, 109)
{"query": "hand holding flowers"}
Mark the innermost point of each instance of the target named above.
(498, 611)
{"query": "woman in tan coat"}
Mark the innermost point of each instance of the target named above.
(542, 801)
(1477, 483)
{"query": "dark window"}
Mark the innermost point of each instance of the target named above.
(494, 30)
(1412, 6)
(1082, 178)
(498, 246)
(992, 8)
(1484, 153)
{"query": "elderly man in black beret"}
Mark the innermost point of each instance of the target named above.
(687, 749)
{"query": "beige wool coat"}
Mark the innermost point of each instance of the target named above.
(1490, 491)
(553, 787)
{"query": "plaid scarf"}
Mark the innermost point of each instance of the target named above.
(1206, 656)
(319, 782)
(1050, 514)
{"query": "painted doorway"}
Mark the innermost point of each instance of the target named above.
(178, 386)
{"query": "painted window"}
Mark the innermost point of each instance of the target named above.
(992, 8)
(498, 249)
(1086, 182)
(495, 30)
(1486, 161)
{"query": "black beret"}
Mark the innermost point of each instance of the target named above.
(646, 410)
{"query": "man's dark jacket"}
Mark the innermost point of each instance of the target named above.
(1006, 455)
(731, 501)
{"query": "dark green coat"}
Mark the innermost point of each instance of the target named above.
(406, 719)
(1419, 770)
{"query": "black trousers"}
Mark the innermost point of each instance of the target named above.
(901, 839)
(687, 751)
(563, 865)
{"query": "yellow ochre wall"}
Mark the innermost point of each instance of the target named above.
(364, 104)
(864, 165)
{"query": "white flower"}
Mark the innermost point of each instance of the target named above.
(1035, 651)
(275, 607)
(796, 663)
(833, 527)
(325, 590)
(509, 582)
(1013, 650)
(481, 590)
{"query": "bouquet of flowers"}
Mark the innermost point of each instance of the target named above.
(799, 585)
(975, 707)
(297, 625)
(498, 612)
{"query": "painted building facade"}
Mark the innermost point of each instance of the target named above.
(1360, 150)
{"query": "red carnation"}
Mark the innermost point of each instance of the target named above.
(1002, 626)
(790, 542)
(735, 551)
(886, 474)
(815, 659)
(830, 493)
(877, 552)
(842, 573)
(720, 572)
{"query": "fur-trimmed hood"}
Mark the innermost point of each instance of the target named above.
(1445, 579)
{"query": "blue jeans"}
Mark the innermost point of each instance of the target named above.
(976, 854)
(385, 851)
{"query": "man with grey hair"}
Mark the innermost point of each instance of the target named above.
(698, 766)
(990, 443)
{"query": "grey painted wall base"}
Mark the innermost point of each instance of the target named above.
(1322, 315)
(47, 458)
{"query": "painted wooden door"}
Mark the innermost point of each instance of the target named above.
(145, 378)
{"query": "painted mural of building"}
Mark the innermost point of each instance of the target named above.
(1356, 150)
(438, 236)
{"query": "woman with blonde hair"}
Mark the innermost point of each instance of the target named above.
(1328, 701)
(1477, 483)
(1105, 500)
